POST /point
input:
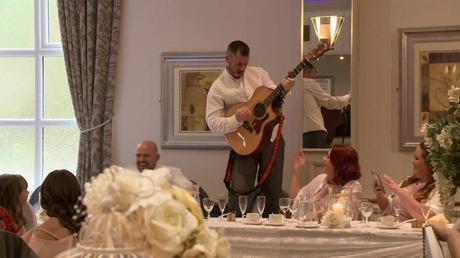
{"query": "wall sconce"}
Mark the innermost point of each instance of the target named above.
(327, 28)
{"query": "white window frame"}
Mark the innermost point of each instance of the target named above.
(41, 50)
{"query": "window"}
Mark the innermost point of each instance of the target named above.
(38, 131)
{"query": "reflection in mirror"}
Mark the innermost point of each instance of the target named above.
(327, 83)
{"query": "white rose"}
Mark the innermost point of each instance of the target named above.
(196, 251)
(213, 243)
(115, 188)
(167, 226)
(190, 203)
(222, 248)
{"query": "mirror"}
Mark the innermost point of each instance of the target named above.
(326, 121)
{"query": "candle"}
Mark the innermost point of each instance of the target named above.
(337, 208)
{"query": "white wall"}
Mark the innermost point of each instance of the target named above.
(376, 75)
(270, 27)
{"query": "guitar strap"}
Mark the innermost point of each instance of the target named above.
(268, 169)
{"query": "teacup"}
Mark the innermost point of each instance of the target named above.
(252, 217)
(275, 218)
(388, 221)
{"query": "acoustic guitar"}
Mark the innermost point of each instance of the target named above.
(265, 107)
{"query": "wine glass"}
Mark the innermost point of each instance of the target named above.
(284, 205)
(208, 204)
(260, 204)
(366, 209)
(243, 203)
(222, 201)
(293, 207)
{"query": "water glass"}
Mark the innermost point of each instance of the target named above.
(284, 205)
(308, 211)
(243, 203)
(208, 204)
(320, 207)
(260, 204)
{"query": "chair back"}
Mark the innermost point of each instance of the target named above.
(12, 245)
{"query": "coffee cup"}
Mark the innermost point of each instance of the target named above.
(387, 221)
(275, 218)
(252, 217)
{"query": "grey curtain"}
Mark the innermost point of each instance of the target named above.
(89, 34)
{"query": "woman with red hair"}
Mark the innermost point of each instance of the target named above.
(341, 171)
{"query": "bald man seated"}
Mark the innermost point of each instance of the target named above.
(147, 157)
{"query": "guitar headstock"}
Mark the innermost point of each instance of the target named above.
(318, 51)
(310, 56)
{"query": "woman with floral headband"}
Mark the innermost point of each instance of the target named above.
(416, 195)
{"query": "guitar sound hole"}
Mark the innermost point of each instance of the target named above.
(259, 110)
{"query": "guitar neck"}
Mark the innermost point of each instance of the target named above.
(311, 55)
(279, 90)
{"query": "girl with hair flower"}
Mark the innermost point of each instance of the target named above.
(59, 193)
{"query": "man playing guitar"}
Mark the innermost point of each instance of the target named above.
(236, 85)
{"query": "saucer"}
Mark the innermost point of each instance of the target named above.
(387, 227)
(253, 222)
(274, 224)
(307, 225)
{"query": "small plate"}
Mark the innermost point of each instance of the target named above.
(307, 225)
(274, 224)
(387, 227)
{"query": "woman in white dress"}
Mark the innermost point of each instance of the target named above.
(341, 172)
(416, 194)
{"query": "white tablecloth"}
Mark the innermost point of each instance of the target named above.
(290, 241)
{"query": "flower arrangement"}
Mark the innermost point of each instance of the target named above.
(443, 139)
(143, 215)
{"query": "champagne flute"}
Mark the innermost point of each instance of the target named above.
(366, 209)
(284, 205)
(222, 201)
(260, 204)
(208, 204)
(396, 208)
(243, 203)
(426, 209)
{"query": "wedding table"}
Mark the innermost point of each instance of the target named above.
(289, 241)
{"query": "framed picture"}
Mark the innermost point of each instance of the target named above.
(326, 83)
(429, 67)
(186, 79)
